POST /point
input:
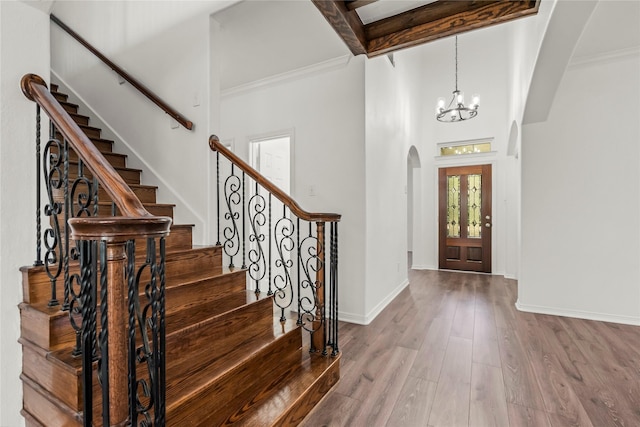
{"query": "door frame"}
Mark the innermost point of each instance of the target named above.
(489, 158)
(290, 133)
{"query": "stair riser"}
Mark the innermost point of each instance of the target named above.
(130, 176)
(207, 290)
(80, 120)
(63, 383)
(157, 210)
(103, 145)
(69, 108)
(144, 194)
(48, 332)
(91, 132)
(305, 403)
(235, 387)
(191, 348)
(45, 410)
(36, 286)
(116, 160)
(60, 96)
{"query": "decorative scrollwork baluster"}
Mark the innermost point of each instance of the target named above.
(270, 291)
(243, 225)
(257, 219)
(88, 328)
(232, 187)
(311, 252)
(218, 196)
(334, 288)
(283, 234)
(103, 338)
(54, 177)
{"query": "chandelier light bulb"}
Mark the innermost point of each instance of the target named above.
(456, 110)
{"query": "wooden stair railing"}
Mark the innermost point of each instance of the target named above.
(275, 241)
(108, 282)
(126, 76)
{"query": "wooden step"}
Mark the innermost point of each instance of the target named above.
(182, 266)
(61, 97)
(90, 131)
(162, 209)
(232, 382)
(188, 294)
(103, 145)
(45, 408)
(47, 327)
(146, 193)
(80, 119)
(131, 176)
(70, 107)
(298, 391)
(116, 160)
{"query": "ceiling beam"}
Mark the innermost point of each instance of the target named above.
(441, 19)
(355, 4)
(345, 22)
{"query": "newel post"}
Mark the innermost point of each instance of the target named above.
(105, 285)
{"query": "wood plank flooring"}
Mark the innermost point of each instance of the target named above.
(452, 350)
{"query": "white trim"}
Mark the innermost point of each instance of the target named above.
(579, 314)
(581, 61)
(369, 317)
(309, 70)
(423, 267)
(148, 167)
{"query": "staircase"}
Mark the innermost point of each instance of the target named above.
(229, 357)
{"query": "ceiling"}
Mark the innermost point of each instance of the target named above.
(377, 27)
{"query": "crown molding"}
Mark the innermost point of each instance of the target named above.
(298, 73)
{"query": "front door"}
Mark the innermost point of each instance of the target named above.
(464, 216)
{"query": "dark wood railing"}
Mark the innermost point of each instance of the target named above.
(135, 83)
(108, 281)
(288, 255)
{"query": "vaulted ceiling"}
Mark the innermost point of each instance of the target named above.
(377, 27)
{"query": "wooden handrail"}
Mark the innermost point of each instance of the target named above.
(215, 145)
(35, 89)
(135, 83)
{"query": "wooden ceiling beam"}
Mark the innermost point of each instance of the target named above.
(441, 19)
(355, 4)
(345, 22)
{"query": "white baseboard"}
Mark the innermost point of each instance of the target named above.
(423, 267)
(365, 320)
(579, 314)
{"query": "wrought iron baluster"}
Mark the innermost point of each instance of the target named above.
(311, 266)
(96, 206)
(320, 287)
(232, 187)
(244, 225)
(38, 260)
(257, 262)
(160, 411)
(103, 339)
(132, 298)
(334, 285)
(299, 321)
(218, 195)
(283, 294)
(270, 291)
(53, 169)
(87, 287)
(67, 207)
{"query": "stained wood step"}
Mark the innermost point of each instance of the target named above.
(192, 293)
(45, 408)
(146, 193)
(61, 97)
(70, 107)
(232, 381)
(191, 265)
(80, 119)
(131, 176)
(90, 131)
(116, 160)
(103, 145)
(299, 390)
(157, 209)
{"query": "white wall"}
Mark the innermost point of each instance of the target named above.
(325, 110)
(167, 46)
(580, 195)
(30, 26)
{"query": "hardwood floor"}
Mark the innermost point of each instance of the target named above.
(452, 350)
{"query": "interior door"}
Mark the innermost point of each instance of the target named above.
(464, 216)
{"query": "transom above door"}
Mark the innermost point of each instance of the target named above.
(464, 217)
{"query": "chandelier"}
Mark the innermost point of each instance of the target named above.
(456, 111)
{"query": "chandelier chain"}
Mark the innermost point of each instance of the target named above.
(456, 63)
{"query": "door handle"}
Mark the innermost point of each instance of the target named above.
(487, 225)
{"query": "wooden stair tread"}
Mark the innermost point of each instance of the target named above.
(273, 405)
(119, 168)
(178, 316)
(187, 387)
